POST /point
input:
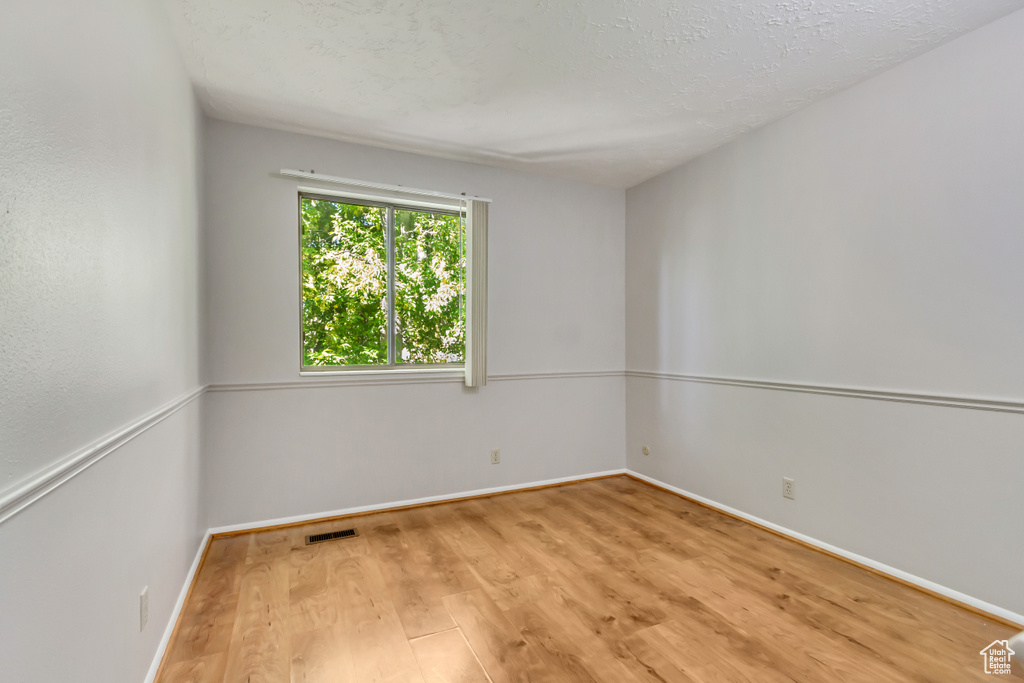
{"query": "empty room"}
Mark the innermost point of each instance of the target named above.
(460, 341)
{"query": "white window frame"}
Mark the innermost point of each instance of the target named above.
(475, 211)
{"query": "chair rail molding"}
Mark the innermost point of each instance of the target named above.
(949, 401)
(389, 377)
(45, 481)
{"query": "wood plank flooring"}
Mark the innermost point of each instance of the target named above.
(608, 580)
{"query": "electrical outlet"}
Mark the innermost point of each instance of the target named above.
(495, 456)
(143, 608)
(788, 488)
(645, 450)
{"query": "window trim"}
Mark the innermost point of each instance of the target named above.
(391, 206)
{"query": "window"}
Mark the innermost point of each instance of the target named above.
(383, 284)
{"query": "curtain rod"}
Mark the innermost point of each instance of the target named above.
(291, 173)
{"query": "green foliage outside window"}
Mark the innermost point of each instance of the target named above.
(344, 285)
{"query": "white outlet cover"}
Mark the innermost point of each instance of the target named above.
(495, 456)
(788, 488)
(646, 450)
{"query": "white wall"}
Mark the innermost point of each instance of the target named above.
(99, 326)
(73, 564)
(556, 269)
(868, 241)
(872, 240)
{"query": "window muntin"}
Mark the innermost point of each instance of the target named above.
(362, 261)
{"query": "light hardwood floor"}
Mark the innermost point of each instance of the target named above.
(608, 580)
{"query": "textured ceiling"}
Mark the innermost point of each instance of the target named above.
(607, 91)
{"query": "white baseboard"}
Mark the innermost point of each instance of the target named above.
(402, 503)
(166, 638)
(860, 559)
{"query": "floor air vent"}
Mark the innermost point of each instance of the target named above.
(330, 536)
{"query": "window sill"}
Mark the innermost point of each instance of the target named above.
(448, 370)
(356, 378)
(377, 376)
